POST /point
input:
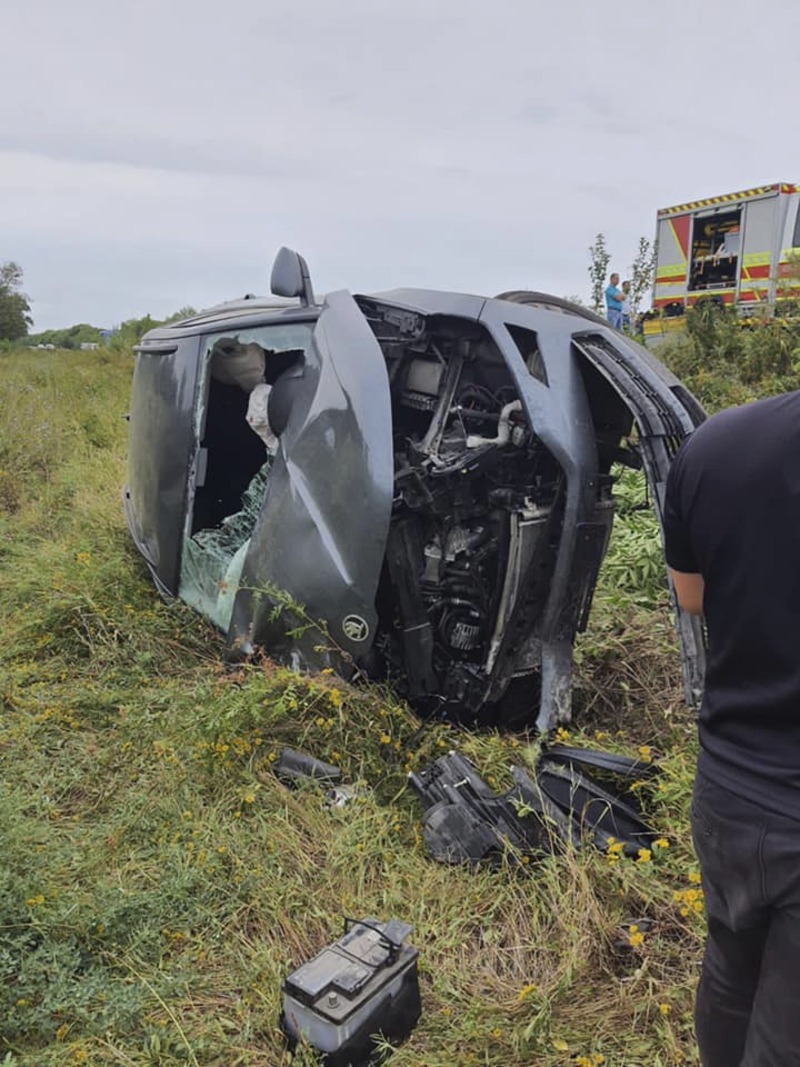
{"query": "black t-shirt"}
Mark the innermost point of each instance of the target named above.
(732, 514)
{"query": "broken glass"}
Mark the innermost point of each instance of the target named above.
(213, 558)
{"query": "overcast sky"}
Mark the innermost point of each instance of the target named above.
(156, 154)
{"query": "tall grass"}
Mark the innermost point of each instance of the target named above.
(158, 881)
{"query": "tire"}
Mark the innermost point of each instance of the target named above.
(545, 300)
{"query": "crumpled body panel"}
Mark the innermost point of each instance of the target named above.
(322, 531)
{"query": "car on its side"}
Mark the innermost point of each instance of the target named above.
(414, 484)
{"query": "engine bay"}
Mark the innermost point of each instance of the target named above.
(476, 516)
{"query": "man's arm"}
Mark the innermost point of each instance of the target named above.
(689, 590)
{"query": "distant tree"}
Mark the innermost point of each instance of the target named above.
(642, 271)
(132, 331)
(15, 308)
(182, 313)
(68, 337)
(599, 259)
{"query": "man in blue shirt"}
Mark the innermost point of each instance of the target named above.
(614, 298)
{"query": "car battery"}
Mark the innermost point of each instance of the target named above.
(363, 985)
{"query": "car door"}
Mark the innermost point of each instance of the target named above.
(161, 449)
(318, 546)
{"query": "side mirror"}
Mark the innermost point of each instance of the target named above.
(290, 276)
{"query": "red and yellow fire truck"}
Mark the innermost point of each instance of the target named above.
(741, 249)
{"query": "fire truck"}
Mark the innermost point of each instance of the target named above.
(741, 249)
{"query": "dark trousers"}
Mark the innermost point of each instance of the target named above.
(748, 1001)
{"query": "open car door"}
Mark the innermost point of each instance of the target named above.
(664, 413)
(323, 526)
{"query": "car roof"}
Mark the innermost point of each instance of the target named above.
(246, 311)
(246, 305)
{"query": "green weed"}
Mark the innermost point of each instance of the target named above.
(159, 881)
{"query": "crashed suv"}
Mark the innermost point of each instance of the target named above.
(415, 485)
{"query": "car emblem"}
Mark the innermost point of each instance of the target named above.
(356, 628)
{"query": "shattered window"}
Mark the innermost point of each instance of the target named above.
(213, 559)
(236, 446)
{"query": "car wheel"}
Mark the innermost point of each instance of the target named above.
(531, 298)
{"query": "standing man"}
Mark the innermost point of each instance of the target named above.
(626, 308)
(732, 536)
(614, 298)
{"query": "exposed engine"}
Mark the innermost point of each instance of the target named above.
(474, 524)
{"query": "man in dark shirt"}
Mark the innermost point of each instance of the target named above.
(732, 534)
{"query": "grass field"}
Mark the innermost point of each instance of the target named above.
(158, 882)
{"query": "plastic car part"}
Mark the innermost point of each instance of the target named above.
(290, 276)
(363, 985)
(595, 811)
(466, 822)
(610, 762)
(293, 768)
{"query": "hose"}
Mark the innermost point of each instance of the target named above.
(503, 428)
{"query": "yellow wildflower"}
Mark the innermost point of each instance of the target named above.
(664, 1009)
(644, 855)
(661, 842)
(526, 991)
(635, 936)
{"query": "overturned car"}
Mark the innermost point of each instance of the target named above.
(413, 484)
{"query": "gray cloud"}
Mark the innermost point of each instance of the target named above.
(153, 155)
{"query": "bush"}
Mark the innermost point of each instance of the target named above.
(717, 333)
(726, 361)
(771, 351)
